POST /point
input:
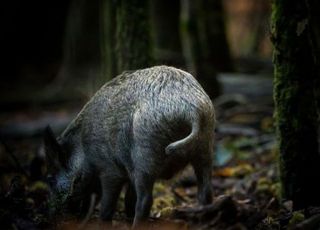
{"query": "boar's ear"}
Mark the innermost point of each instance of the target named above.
(56, 158)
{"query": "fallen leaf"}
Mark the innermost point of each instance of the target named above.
(237, 171)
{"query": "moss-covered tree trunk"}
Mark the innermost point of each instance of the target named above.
(133, 48)
(296, 115)
(197, 44)
(165, 22)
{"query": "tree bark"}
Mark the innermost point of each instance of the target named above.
(107, 35)
(132, 44)
(216, 44)
(296, 114)
(166, 32)
(197, 46)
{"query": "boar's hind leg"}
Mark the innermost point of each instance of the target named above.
(203, 168)
(111, 188)
(130, 200)
(143, 187)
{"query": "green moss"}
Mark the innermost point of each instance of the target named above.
(296, 218)
(39, 186)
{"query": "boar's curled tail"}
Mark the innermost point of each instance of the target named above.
(186, 143)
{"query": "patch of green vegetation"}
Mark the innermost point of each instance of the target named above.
(296, 218)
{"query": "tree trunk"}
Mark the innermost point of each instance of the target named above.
(82, 40)
(166, 32)
(296, 115)
(107, 35)
(197, 46)
(133, 43)
(216, 46)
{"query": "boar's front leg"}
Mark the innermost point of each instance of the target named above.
(143, 187)
(203, 169)
(111, 188)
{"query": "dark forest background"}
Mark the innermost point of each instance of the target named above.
(59, 50)
(258, 60)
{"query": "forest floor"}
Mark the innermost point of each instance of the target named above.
(245, 175)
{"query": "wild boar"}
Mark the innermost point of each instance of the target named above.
(141, 126)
